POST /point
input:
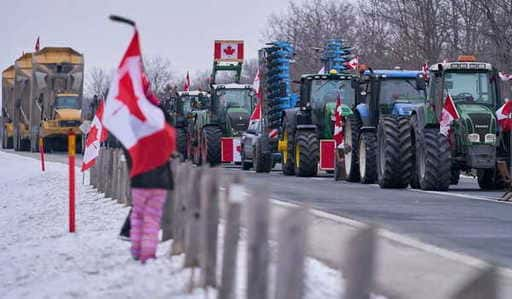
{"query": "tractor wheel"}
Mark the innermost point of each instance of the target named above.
(306, 153)
(454, 175)
(245, 164)
(433, 160)
(368, 157)
(181, 140)
(351, 131)
(4, 139)
(210, 145)
(262, 156)
(394, 160)
(486, 178)
(287, 163)
(10, 141)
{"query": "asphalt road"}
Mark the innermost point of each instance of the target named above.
(463, 219)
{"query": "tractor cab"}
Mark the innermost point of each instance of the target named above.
(232, 104)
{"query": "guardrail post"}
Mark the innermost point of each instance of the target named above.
(291, 254)
(183, 187)
(484, 285)
(258, 255)
(110, 173)
(114, 178)
(166, 223)
(193, 219)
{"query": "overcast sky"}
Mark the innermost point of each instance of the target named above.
(181, 30)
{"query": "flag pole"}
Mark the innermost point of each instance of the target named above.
(116, 18)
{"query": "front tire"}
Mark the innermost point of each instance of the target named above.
(368, 157)
(262, 157)
(433, 161)
(351, 130)
(306, 153)
(210, 145)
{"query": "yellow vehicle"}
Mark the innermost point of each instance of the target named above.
(21, 111)
(58, 78)
(7, 129)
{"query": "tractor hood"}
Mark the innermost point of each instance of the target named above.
(403, 109)
(239, 119)
(67, 114)
(477, 119)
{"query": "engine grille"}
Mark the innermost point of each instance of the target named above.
(69, 123)
(481, 123)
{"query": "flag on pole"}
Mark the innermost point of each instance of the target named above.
(37, 44)
(186, 86)
(132, 116)
(353, 63)
(322, 70)
(425, 70)
(95, 136)
(256, 85)
(448, 115)
(505, 77)
(503, 116)
(339, 136)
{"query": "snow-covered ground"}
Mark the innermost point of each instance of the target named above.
(40, 259)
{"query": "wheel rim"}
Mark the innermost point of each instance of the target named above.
(348, 143)
(285, 141)
(297, 156)
(362, 158)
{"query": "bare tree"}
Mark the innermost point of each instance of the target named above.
(97, 83)
(249, 70)
(158, 70)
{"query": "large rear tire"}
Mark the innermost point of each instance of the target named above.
(368, 157)
(394, 159)
(210, 145)
(306, 153)
(433, 160)
(351, 130)
(287, 162)
(262, 155)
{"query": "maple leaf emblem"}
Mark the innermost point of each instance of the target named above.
(229, 50)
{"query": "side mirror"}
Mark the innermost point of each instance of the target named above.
(420, 83)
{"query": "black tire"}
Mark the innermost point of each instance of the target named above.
(10, 142)
(414, 182)
(210, 145)
(368, 157)
(181, 142)
(307, 150)
(486, 179)
(454, 175)
(352, 128)
(394, 158)
(245, 164)
(288, 165)
(433, 160)
(262, 155)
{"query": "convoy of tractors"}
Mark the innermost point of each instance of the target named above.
(391, 118)
(391, 121)
(42, 94)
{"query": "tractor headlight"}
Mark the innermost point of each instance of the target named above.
(490, 138)
(473, 137)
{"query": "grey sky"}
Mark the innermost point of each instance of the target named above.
(182, 31)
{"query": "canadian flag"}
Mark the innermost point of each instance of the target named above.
(230, 150)
(505, 77)
(448, 115)
(132, 116)
(36, 47)
(95, 136)
(353, 63)
(503, 116)
(256, 84)
(186, 85)
(425, 70)
(322, 70)
(339, 137)
(256, 113)
(228, 50)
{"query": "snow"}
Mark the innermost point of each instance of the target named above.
(40, 259)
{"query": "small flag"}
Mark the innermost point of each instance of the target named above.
(95, 136)
(339, 136)
(37, 44)
(505, 77)
(186, 86)
(425, 71)
(503, 116)
(353, 63)
(322, 70)
(448, 115)
(256, 85)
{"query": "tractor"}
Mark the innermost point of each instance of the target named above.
(216, 128)
(383, 146)
(472, 142)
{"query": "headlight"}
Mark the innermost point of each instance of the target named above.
(490, 138)
(473, 137)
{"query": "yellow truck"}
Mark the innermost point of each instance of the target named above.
(21, 112)
(7, 129)
(57, 89)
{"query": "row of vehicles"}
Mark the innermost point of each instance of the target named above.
(42, 94)
(391, 122)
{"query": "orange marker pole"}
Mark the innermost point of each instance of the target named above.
(41, 151)
(71, 160)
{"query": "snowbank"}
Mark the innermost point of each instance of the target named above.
(40, 259)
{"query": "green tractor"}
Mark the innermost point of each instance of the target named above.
(216, 128)
(306, 141)
(471, 143)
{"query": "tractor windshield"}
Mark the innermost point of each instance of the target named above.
(67, 102)
(324, 91)
(469, 87)
(393, 90)
(236, 98)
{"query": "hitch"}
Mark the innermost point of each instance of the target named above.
(503, 170)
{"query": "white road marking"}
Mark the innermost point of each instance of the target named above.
(467, 196)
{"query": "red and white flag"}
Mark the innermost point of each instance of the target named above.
(339, 136)
(322, 70)
(256, 85)
(230, 150)
(505, 77)
(228, 50)
(256, 113)
(503, 116)
(353, 63)
(186, 85)
(36, 47)
(424, 71)
(448, 115)
(132, 116)
(95, 136)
